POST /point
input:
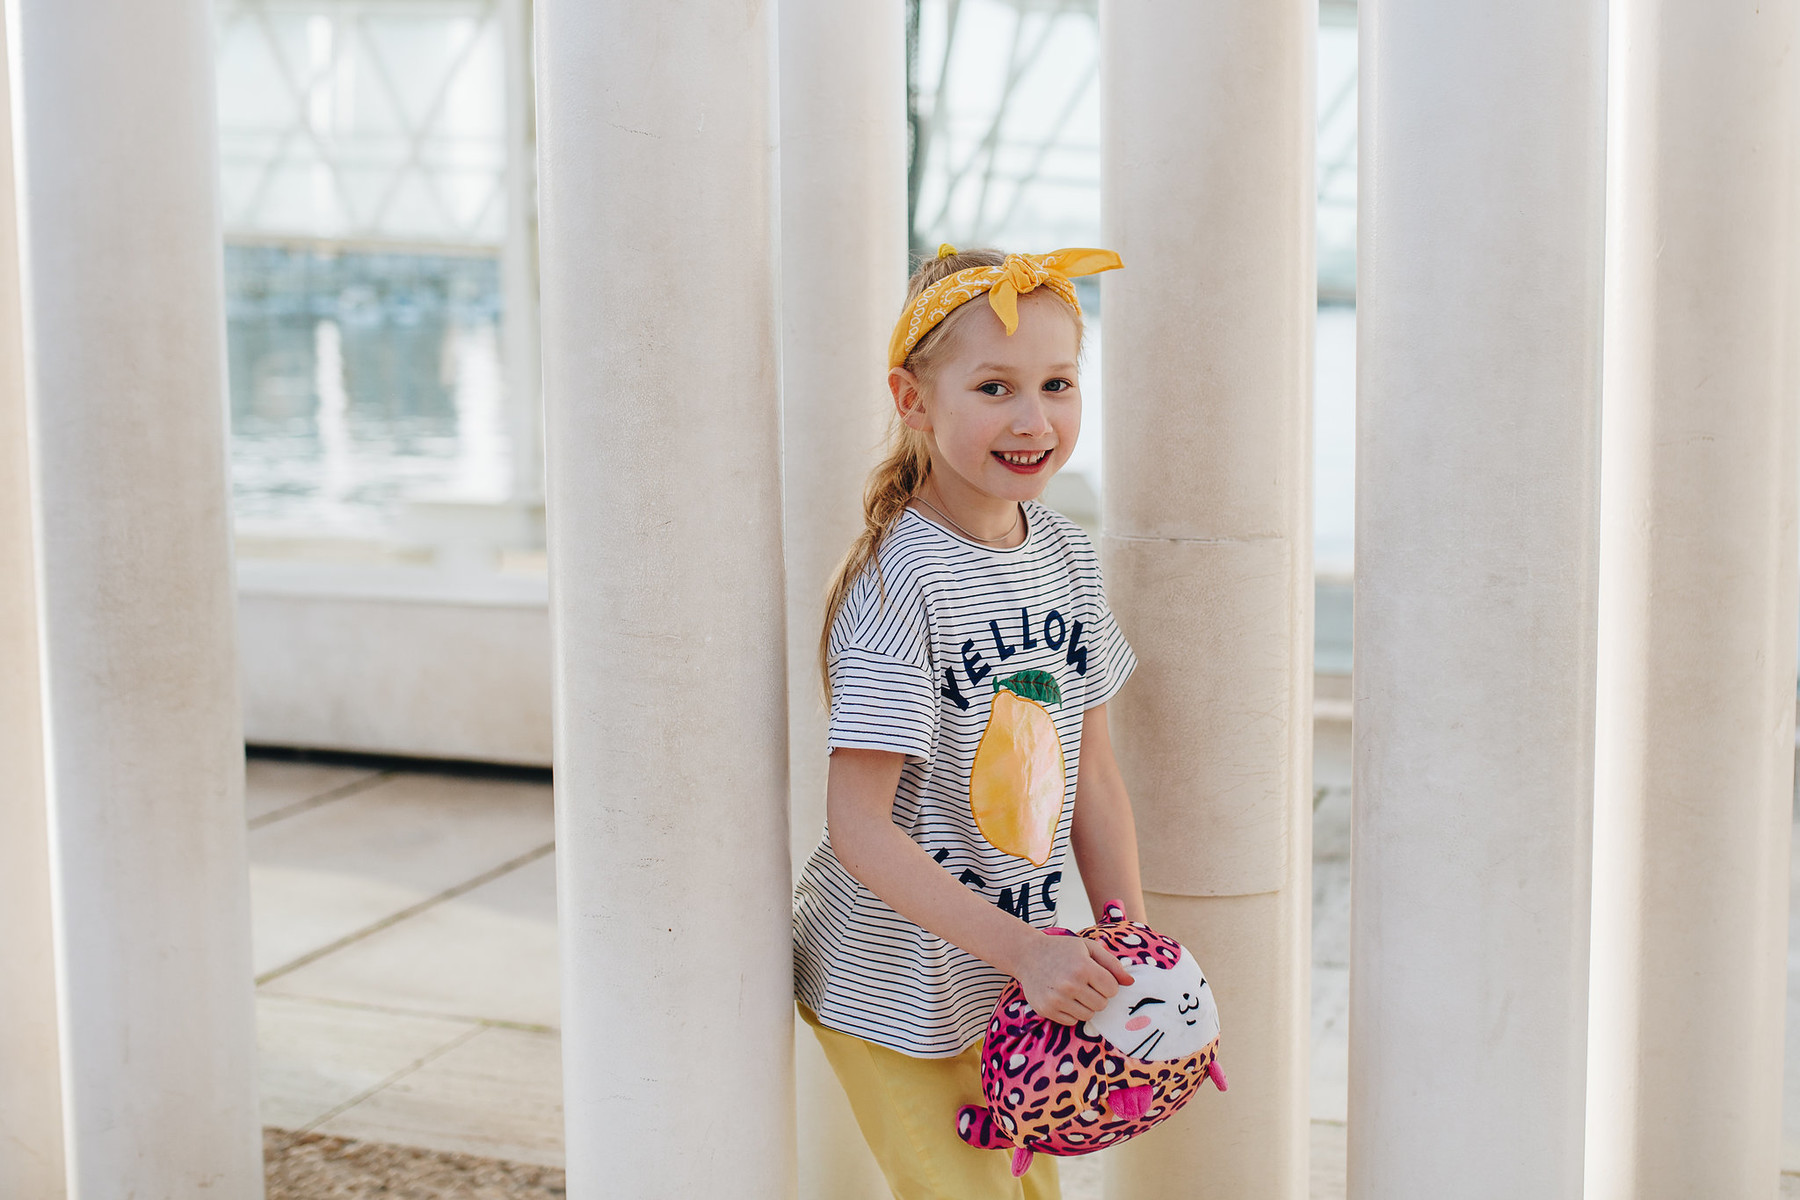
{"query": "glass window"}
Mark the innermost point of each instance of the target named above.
(364, 166)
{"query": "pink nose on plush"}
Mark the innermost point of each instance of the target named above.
(1129, 1103)
(1137, 1023)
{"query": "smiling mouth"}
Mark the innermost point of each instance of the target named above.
(1023, 461)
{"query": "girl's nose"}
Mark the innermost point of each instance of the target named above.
(1031, 419)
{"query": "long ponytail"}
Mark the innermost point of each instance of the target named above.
(892, 485)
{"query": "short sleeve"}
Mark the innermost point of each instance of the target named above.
(1112, 660)
(879, 702)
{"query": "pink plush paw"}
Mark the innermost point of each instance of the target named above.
(1129, 1103)
(976, 1126)
(1216, 1073)
(1021, 1161)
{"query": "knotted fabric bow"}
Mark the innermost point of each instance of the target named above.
(1004, 284)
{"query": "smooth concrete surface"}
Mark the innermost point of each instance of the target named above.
(396, 660)
(1790, 1107)
(125, 362)
(1208, 195)
(508, 925)
(432, 1024)
(658, 223)
(31, 1158)
(276, 787)
(1214, 823)
(1694, 745)
(416, 838)
(1481, 192)
(843, 276)
(511, 1075)
(318, 1059)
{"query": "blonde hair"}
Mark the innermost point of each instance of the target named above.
(897, 478)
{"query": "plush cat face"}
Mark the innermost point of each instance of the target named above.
(1165, 1013)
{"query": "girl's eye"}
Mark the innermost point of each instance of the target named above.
(1058, 385)
(992, 388)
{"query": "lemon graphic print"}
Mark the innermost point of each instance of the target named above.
(1017, 783)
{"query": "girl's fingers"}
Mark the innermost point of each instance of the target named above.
(1113, 966)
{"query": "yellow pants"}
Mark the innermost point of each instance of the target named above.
(906, 1108)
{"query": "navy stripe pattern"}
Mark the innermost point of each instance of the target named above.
(914, 656)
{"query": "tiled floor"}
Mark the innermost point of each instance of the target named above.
(406, 957)
(407, 974)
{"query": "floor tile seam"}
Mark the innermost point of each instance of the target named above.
(341, 792)
(413, 910)
(393, 1010)
(424, 1060)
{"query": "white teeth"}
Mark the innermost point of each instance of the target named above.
(1023, 458)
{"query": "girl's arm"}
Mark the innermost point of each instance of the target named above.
(1102, 833)
(1065, 979)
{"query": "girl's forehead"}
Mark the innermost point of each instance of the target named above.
(1045, 337)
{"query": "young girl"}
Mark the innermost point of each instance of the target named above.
(968, 657)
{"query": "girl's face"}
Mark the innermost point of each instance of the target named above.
(1001, 413)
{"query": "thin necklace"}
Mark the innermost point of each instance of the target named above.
(1018, 515)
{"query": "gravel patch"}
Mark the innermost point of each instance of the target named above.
(311, 1166)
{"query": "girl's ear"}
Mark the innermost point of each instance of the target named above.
(909, 399)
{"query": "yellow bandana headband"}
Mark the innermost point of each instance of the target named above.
(1004, 284)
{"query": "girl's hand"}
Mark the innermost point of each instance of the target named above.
(1068, 979)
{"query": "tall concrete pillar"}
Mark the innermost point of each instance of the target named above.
(1694, 778)
(519, 265)
(125, 366)
(1479, 294)
(31, 1159)
(843, 272)
(656, 139)
(1208, 197)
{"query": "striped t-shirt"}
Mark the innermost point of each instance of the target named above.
(915, 656)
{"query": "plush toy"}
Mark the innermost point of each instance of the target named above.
(1065, 1090)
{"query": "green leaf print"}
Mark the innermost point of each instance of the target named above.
(1032, 685)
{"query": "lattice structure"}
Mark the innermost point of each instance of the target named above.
(1006, 122)
(373, 121)
(1006, 127)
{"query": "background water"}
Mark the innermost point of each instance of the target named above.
(360, 381)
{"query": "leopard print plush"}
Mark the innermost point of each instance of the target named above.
(1065, 1090)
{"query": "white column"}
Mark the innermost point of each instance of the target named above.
(519, 265)
(1208, 197)
(1479, 288)
(31, 1159)
(125, 356)
(1694, 778)
(657, 217)
(843, 256)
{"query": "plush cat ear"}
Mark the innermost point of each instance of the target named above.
(1113, 910)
